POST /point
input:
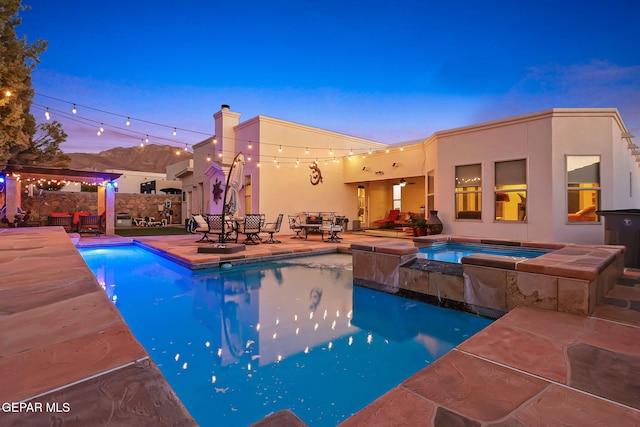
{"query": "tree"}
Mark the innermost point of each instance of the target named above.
(17, 59)
(44, 147)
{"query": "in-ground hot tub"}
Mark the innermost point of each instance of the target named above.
(555, 276)
(451, 251)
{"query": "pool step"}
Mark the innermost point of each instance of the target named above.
(622, 302)
(623, 295)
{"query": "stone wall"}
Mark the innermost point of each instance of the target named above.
(138, 205)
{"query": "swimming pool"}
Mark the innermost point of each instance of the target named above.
(454, 251)
(241, 343)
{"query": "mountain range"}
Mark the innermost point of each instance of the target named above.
(150, 158)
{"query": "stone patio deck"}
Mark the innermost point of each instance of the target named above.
(62, 343)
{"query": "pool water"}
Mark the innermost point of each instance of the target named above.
(453, 252)
(239, 344)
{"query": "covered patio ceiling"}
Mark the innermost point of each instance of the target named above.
(62, 174)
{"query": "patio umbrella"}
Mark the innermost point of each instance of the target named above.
(233, 187)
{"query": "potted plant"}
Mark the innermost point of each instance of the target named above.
(419, 225)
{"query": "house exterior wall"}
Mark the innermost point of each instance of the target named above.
(287, 189)
(543, 139)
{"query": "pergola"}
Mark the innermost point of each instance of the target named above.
(104, 180)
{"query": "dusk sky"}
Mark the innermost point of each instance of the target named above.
(389, 71)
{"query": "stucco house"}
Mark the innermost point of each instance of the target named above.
(539, 176)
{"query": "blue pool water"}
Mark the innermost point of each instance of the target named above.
(453, 252)
(241, 343)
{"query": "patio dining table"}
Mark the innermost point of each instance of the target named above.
(314, 228)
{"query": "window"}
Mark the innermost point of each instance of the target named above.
(397, 197)
(468, 192)
(583, 188)
(431, 192)
(511, 190)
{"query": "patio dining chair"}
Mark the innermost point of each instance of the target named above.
(294, 225)
(272, 228)
(333, 226)
(250, 227)
(215, 225)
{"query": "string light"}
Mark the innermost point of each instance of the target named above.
(141, 143)
(146, 137)
(47, 115)
(7, 93)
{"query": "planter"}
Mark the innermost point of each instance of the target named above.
(433, 223)
(417, 232)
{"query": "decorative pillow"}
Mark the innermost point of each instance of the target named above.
(59, 214)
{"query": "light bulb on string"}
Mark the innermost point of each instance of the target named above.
(128, 121)
(7, 93)
(74, 110)
(46, 114)
(208, 158)
(186, 148)
(248, 158)
(142, 143)
(215, 140)
(280, 149)
(306, 150)
(101, 128)
(220, 154)
(146, 139)
(250, 145)
(331, 151)
(175, 131)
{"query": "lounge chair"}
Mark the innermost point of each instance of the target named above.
(587, 214)
(201, 226)
(272, 228)
(90, 224)
(64, 220)
(250, 227)
(389, 220)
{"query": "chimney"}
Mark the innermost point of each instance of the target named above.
(225, 107)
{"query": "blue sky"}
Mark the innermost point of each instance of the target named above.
(388, 71)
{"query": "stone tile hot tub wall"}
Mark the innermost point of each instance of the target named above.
(570, 278)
